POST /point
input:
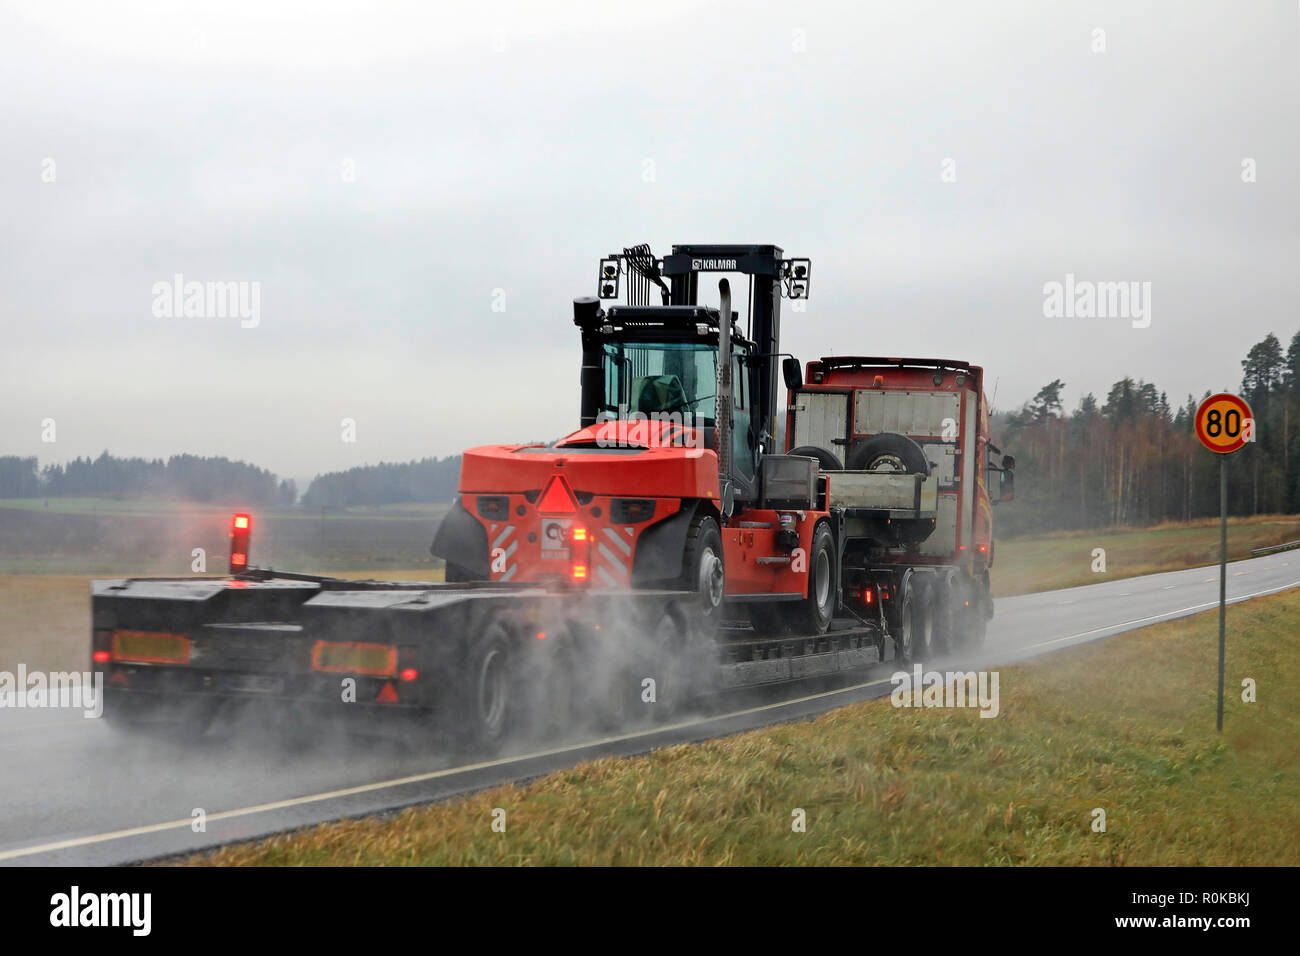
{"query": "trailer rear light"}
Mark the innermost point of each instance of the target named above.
(408, 655)
(345, 657)
(241, 527)
(867, 596)
(101, 645)
(541, 635)
(150, 647)
(101, 657)
(409, 674)
(984, 547)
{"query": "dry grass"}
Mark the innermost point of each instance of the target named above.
(1063, 560)
(1126, 724)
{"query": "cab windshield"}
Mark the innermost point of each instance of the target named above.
(660, 378)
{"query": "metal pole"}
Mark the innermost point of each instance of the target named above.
(1223, 570)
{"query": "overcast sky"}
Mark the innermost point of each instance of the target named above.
(387, 173)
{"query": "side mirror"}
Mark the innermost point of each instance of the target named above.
(1007, 482)
(792, 373)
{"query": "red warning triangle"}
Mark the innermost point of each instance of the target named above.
(557, 499)
(387, 694)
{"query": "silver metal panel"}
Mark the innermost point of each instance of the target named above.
(905, 412)
(943, 461)
(819, 419)
(943, 540)
(883, 491)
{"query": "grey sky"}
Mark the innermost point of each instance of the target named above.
(501, 146)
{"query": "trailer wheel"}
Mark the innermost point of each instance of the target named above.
(923, 617)
(673, 670)
(942, 601)
(905, 629)
(492, 692)
(704, 572)
(813, 614)
(154, 717)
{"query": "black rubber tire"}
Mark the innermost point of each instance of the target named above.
(942, 601)
(904, 631)
(812, 615)
(704, 546)
(155, 717)
(493, 704)
(924, 617)
(672, 669)
(873, 453)
(825, 459)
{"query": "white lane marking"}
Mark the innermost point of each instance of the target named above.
(1155, 617)
(434, 775)
(1238, 574)
(1169, 587)
(402, 781)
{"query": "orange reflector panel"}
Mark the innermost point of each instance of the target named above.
(557, 498)
(378, 660)
(151, 647)
(388, 694)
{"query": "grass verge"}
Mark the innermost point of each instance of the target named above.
(1125, 725)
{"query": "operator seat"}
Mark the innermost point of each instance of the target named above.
(659, 393)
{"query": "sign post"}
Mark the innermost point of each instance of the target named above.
(1224, 423)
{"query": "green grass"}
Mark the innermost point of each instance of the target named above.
(1063, 560)
(1126, 725)
(159, 506)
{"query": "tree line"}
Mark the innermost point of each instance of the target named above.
(187, 477)
(429, 479)
(1134, 458)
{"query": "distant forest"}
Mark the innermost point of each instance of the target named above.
(222, 481)
(1133, 459)
(1129, 459)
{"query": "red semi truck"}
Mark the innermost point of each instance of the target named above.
(663, 551)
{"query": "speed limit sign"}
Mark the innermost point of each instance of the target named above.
(1224, 423)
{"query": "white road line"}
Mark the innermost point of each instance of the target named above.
(1156, 617)
(402, 781)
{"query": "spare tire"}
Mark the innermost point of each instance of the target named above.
(826, 460)
(889, 452)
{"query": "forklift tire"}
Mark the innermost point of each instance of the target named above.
(942, 597)
(826, 460)
(704, 573)
(812, 615)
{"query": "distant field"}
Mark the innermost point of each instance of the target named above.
(1125, 725)
(1063, 560)
(117, 537)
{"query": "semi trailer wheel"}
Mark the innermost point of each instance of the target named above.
(704, 573)
(672, 670)
(904, 630)
(942, 599)
(492, 694)
(923, 617)
(813, 614)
